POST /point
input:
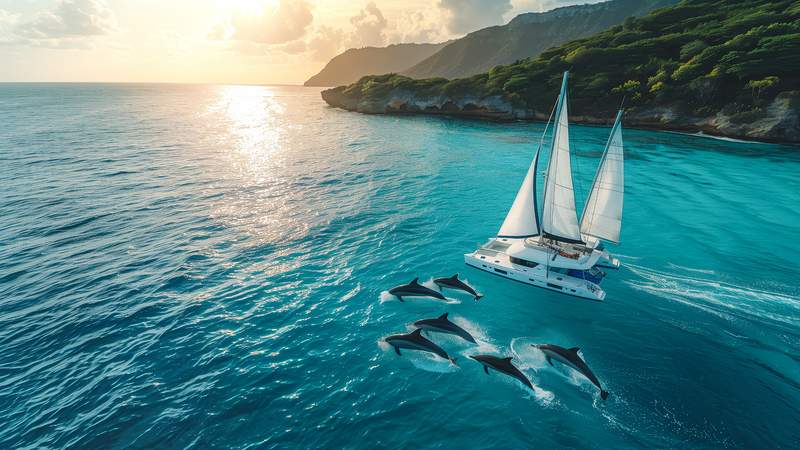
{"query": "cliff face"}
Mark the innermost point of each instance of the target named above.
(407, 102)
(779, 122)
(353, 64)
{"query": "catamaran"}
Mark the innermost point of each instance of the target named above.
(554, 250)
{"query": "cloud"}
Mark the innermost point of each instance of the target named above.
(70, 19)
(72, 24)
(285, 24)
(369, 27)
(419, 26)
(326, 42)
(464, 16)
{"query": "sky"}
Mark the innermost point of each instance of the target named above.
(219, 41)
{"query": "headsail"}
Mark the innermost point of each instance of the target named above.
(522, 219)
(559, 217)
(602, 215)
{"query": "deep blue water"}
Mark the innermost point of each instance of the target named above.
(205, 266)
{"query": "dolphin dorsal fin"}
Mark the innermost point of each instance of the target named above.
(443, 316)
(508, 359)
(417, 332)
(415, 281)
(574, 349)
(454, 277)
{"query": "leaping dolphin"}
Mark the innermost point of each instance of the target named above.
(442, 324)
(454, 283)
(414, 289)
(416, 341)
(502, 365)
(570, 357)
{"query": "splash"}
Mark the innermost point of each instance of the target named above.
(420, 360)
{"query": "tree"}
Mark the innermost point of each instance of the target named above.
(758, 87)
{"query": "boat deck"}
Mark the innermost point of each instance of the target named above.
(492, 259)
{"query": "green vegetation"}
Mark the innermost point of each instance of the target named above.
(699, 56)
(526, 36)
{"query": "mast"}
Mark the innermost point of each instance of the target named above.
(602, 215)
(559, 216)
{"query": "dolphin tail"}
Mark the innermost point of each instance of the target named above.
(478, 297)
(453, 361)
(603, 394)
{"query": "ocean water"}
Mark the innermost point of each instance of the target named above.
(205, 267)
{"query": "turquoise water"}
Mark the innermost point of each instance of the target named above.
(205, 266)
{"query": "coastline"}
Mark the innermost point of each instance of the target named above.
(780, 124)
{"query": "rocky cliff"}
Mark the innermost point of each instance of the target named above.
(779, 122)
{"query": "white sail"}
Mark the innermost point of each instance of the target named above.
(559, 217)
(522, 219)
(602, 215)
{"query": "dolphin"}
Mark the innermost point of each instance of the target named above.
(414, 289)
(502, 365)
(454, 283)
(570, 357)
(442, 324)
(416, 341)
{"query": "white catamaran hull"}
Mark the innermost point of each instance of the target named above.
(556, 251)
(497, 262)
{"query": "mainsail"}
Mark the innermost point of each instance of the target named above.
(523, 217)
(559, 217)
(602, 215)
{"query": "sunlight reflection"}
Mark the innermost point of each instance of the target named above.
(253, 116)
(252, 133)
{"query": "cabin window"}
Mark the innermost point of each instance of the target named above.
(554, 286)
(501, 271)
(523, 262)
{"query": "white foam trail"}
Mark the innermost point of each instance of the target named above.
(690, 269)
(483, 343)
(716, 297)
(723, 138)
(386, 297)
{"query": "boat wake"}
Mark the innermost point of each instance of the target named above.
(716, 297)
